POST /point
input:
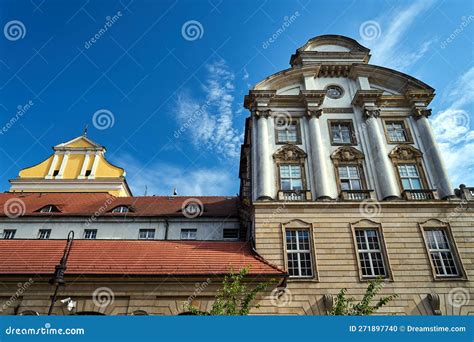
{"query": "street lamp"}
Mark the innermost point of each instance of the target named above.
(58, 278)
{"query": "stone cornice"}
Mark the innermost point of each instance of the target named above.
(258, 98)
(362, 97)
(421, 98)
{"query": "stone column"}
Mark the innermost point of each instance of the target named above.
(433, 155)
(323, 182)
(264, 162)
(383, 167)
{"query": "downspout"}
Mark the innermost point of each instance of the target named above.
(167, 227)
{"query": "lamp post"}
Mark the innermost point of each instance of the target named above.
(58, 278)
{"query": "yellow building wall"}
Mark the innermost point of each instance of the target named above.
(38, 171)
(107, 170)
(73, 166)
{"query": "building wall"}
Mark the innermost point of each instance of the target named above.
(336, 265)
(118, 228)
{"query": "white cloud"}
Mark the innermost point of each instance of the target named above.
(387, 50)
(452, 127)
(161, 178)
(208, 121)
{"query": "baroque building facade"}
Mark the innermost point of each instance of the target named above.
(344, 183)
(341, 182)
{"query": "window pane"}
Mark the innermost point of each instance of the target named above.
(355, 185)
(343, 172)
(415, 183)
(406, 184)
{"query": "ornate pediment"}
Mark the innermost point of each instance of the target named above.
(290, 153)
(347, 154)
(405, 152)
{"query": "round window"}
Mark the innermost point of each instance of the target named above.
(334, 91)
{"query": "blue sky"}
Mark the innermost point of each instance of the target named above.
(167, 78)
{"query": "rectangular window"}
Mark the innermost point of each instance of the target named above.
(396, 131)
(146, 234)
(409, 177)
(370, 253)
(90, 234)
(231, 233)
(9, 234)
(44, 234)
(188, 234)
(349, 176)
(441, 253)
(299, 253)
(287, 132)
(342, 133)
(88, 173)
(290, 177)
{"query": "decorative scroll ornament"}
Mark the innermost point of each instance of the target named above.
(265, 113)
(290, 153)
(405, 152)
(371, 112)
(419, 112)
(347, 154)
(314, 113)
(434, 300)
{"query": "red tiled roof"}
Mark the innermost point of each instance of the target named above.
(132, 257)
(87, 204)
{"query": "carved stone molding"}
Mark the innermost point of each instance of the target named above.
(435, 303)
(338, 110)
(346, 154)
(328, 300)
(362, 97)
(259, 113)
(314, 113)
(371, 112)
(257, 98)
(421, 112)
(405, 153)
(290, 153)
(420, 96)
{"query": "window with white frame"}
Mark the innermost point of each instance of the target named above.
(441, 253)
(370, 253)
(49, 209)
(290, 177)
(341, 132)
(188, 234)
(44, 234)
(396, 131)
(287, 132)
(9, 234)
(146, 234)
(409, 176)
(90, 234)
(349, 177)
(299, 253)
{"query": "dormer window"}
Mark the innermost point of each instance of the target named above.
(121, 209)
(49, 209)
